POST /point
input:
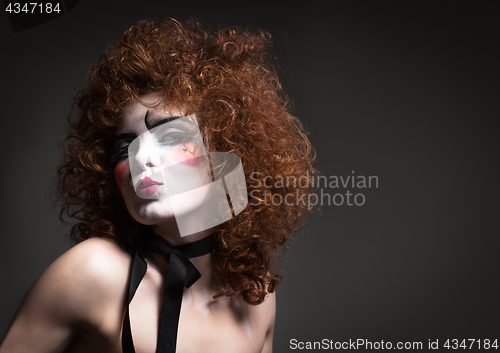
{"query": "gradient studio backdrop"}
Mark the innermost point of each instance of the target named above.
(408, 93)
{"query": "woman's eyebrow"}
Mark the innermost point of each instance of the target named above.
(159, 122)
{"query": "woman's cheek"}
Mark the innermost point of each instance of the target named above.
(185, 155)
(121, 170)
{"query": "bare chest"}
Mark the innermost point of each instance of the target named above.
(205, 324)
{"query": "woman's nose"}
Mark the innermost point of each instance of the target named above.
(144, 154)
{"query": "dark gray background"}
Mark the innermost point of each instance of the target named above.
(408, 93)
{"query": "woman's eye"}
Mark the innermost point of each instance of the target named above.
(172, 138)
(121, 154)
(123, 149)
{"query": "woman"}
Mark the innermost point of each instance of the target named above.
(165, 99)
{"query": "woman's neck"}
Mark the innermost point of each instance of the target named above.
(202, 263)
(170, 232)
(172, 236)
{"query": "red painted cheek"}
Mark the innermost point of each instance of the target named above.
(120, 171)
(187, 158)
(195, 161)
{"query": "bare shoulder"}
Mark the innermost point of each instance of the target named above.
(264, 313)
(269, 309)
(95, 259)
(81, 291)
(267, 313)
(85, 279)
(268, 306)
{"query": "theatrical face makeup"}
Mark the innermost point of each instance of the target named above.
(159, 154)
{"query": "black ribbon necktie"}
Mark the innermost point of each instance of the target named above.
(181, 273)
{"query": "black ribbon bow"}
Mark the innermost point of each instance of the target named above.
(181, 273)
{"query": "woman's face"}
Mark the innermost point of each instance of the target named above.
(160, 154)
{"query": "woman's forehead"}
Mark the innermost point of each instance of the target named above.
(147, 111)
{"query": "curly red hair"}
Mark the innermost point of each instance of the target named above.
(227, 80)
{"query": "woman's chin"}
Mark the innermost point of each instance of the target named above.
(151, 213)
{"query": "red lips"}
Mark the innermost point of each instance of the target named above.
(147, 187)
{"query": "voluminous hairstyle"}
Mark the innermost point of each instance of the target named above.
(226, 78)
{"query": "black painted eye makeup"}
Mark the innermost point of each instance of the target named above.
(122, 143)
(175, 133)
(158, 123)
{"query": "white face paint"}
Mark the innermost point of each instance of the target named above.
(170, 174)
